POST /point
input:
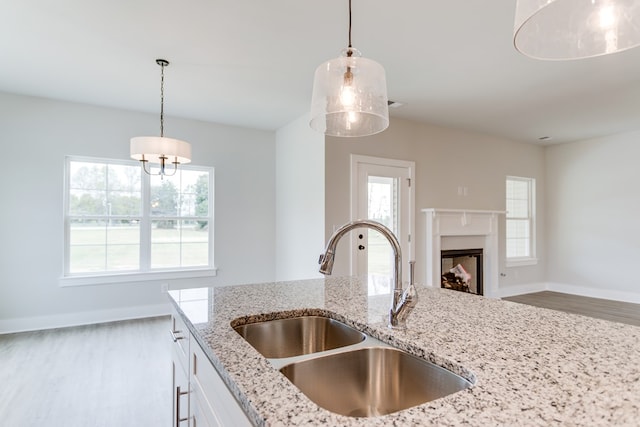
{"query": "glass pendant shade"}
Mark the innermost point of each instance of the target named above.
(574, 29)
(349, 96)
(154, 148)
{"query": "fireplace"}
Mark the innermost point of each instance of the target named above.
(462, 270)
(462, 230)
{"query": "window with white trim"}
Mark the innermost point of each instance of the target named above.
(120, 220)
(520, 221)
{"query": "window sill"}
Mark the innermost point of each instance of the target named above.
(119, 278)
(521, 262)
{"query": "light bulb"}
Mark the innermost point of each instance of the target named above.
(607, 17)
(607, 22)
(347, 95)
(347, 91)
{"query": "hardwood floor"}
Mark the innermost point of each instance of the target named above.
(114, 374)
(615, 311)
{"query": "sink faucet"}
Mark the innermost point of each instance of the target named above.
(401, 302)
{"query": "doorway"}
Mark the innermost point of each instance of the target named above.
(382, 190)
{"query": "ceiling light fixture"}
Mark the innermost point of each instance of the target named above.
(158, 149)
(575, 29)
(349, 95)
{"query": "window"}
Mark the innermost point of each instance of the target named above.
(121, 221)
(520, 224)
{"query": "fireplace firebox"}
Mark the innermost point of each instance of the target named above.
(462, 270)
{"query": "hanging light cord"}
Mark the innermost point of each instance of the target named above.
(161, 99)
(349, 50)
(350, 24)
(348, 76)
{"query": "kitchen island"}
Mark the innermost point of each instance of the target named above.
(528, 365)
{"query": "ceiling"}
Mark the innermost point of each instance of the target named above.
(251, 63)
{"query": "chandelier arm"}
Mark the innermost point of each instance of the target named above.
(144, 167)
(175, 169)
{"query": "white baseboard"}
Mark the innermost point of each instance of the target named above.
(528, 288)
(24, 324)
(610, 294)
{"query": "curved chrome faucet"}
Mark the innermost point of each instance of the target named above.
(402, 302)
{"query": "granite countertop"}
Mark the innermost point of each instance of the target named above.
(530, 366)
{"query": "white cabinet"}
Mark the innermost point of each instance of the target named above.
(180, 343)
(200, 397)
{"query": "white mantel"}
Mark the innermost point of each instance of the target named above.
(469, 229)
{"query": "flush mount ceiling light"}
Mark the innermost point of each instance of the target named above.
(349, 95)
(575, 29)
(158, 149)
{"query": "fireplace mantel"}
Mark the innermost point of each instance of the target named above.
(475, 225)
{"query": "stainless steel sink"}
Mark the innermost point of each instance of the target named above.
(299, 335)
(372, 381)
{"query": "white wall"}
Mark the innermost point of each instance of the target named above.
(36, 136)
(299, 200)
(445, 159)
(593, 203)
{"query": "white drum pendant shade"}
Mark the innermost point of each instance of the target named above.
(154, 148)
(574, 29)
(349, 97)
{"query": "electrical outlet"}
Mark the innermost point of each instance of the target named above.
(164, 288)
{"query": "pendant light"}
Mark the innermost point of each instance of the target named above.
(349, 95)
(575, 29)
(159, 149)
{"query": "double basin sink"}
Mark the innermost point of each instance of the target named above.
(345, 371)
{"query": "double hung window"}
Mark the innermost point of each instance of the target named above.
(119, 220)
(520, 223)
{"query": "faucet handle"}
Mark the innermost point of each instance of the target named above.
(321, 259)
(408, 300)
(410, 295)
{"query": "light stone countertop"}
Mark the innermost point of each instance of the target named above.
(530, 366)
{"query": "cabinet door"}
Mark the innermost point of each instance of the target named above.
(200, 415)
(211, 399)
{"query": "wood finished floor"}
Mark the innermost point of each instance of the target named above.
(615, 311)
(114, 374)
